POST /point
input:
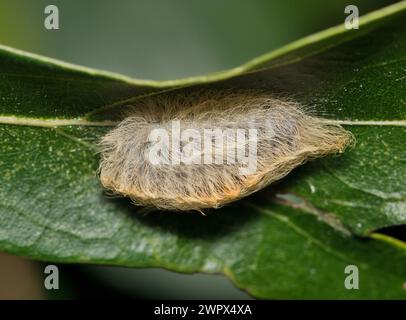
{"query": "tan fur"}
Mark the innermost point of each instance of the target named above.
(298, 137)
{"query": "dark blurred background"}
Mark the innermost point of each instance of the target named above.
(158, 40)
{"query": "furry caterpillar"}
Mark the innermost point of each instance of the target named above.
(285, 137)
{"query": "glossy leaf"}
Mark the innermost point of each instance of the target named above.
(292, 240)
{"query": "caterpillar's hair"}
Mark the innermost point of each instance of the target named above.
(287, 136)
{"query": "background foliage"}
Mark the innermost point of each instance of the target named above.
(286, 242)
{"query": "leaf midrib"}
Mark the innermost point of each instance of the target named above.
(60, 122)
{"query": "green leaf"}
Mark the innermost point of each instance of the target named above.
(301, 233)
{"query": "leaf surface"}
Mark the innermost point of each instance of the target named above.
(292, 240)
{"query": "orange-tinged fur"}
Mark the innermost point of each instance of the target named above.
(296, 137)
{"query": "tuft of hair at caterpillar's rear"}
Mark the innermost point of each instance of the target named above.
(287, 136)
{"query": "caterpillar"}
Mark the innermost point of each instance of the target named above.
(190, 152)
